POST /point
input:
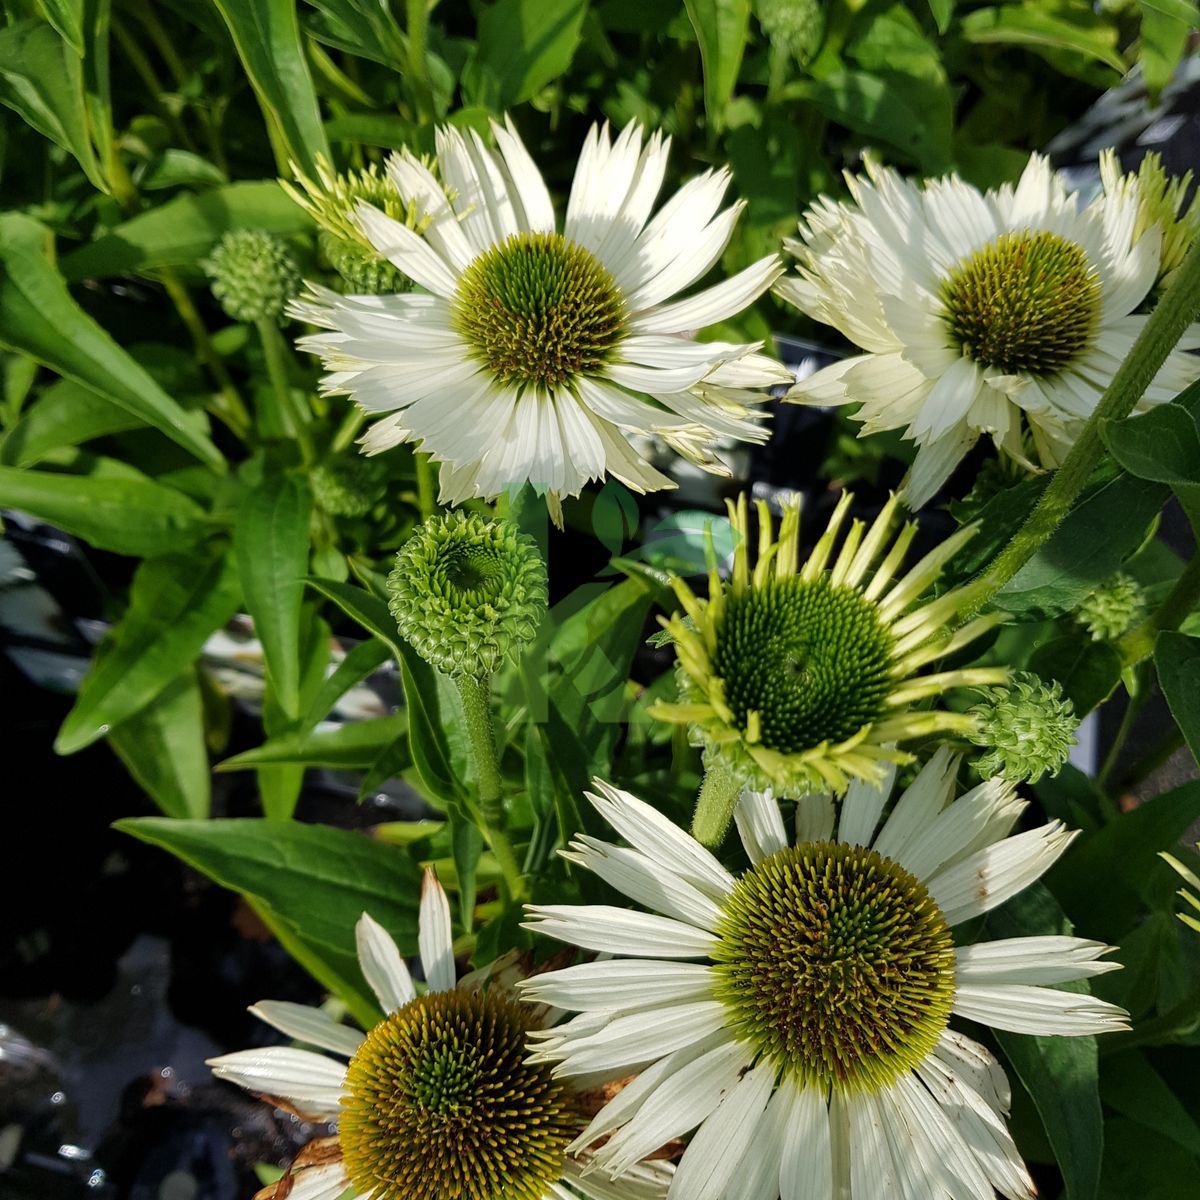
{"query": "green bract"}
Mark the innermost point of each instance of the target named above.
(1027, 728)
(467, 592)
(253, 275)
(1112, 607)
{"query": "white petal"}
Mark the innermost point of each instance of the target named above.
(382, 966)
(872, 1174)
(935, 463)
(806, 1172)
(712, 305)
(619, 931)
(313, 1026)
(992, 875)
(311, 1082)
(319, 1183)
(1036, 1010)
(721, 1143)
(655, 379)
(758, 1178)
(639, 877)
(1033, 960)
(435, 939)
(619, 984)
(815, 818)
(527, 180)
(414, 181)
(651, 833)
(760, 825)
(919, 804)
(406, 251)
(862, 807)
(676, 1104)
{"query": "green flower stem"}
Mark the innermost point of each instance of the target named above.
(476, 696)
(348, 430)
(1167, 323)
(1138, 643)
(715, 806)
(417, 28)
(425, 493)
(295, 421)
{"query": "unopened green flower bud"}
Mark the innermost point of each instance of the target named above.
(1112, 607)
(1027, 728)
(467, 592)
(349, 486)
(794, 26)
(253, 274)
(364, 272)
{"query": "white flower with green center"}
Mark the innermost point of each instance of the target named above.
(799, 676)
(994, 313)
(796, 1017)
(536, 354)
(440, 1098)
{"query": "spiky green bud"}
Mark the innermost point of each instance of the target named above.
(363, 272)
(349, 486)
(1112, 607)
(794, 26)
(467, 592)
(1027, 728)
(253, 274)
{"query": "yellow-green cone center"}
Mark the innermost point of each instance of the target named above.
(442, 1105)
(811, 659)
(539, 310)
(1026, 303)
(836, 964)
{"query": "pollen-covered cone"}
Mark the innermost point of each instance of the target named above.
(1003, 313)
(794, 1019)
(440, 1098)
(800, 676)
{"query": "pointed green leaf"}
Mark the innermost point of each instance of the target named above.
(39, 317)
(1177, 658)
(175, 603)
(721, 27)
(271, 544)
(353, 746)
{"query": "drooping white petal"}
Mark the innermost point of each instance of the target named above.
(976, 1066)
(718, 1147)
(310, 1082)
(406, 251)
(872, 1173)
(806, 1171)
(1032, 960)
(760, 825)
(326, 1182)
(1037, 1010)
(382, 966)
(435, 939)
(311, 1025)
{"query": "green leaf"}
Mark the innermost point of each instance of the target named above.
(1177, 658)
(65, 414)
(721, 27)
(1164, 35)
(163, 748)
(521, 46)
(1162, 445)
(1149, 1166)
(124, 515)
(175, 603)
(267, 36)
(271, 544)
(1101, 880)
(359, 662)
(1132, 1087)
(353, 746)
(183, 231)
(38, 317)
(1088, 670)
(41, 78)
(67, 17)
(1035, 24)
(1086, 549)
(467, 847)
(1060, 1074)
(942, 11)
(315, 880)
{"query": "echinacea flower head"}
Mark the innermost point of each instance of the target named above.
(800, 676)
(1026, 728)
(797, 1016)
(1109, 611)
(440, 1098)
(1003, 313)
(253, 274)
(467, 592)
(535, 353)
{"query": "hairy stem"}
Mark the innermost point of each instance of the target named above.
(715, 805)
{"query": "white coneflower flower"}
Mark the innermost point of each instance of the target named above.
(980, 313)
(797, 1016)
(438, 1099)
(534, 354)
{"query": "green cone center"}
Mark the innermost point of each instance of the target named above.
(1026, 303)
(539, 310)
(442, 1103)
(811, 659)
(836, 964)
